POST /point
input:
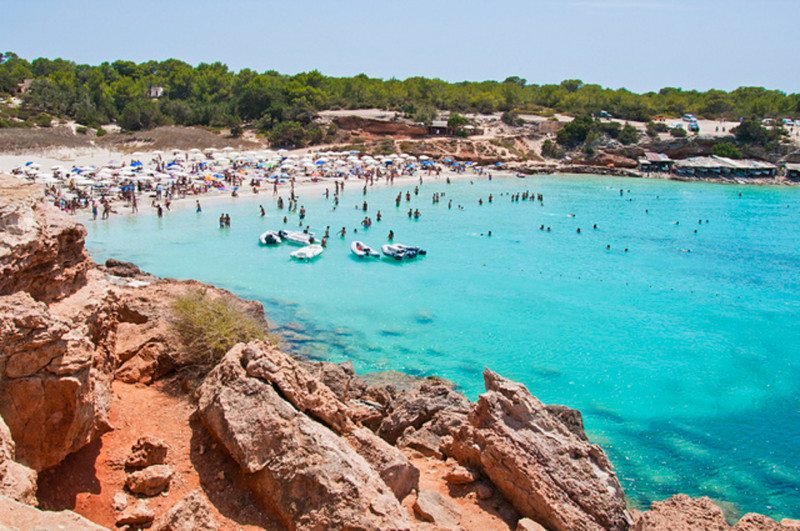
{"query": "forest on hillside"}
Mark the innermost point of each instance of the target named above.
(211, 94)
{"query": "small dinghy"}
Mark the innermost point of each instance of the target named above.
(269, 238)
(297, 238)
(398, 251)
(361, 250)
(309, 252)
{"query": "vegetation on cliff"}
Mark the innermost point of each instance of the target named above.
(210, 327)
(141, 96)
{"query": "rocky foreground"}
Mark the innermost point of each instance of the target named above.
(296, 444)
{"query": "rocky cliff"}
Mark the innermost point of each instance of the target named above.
(313, 445)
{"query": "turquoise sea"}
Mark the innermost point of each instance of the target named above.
(686, 365)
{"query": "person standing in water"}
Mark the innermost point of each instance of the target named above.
(263, 212)
(197, 207)
(390, 237)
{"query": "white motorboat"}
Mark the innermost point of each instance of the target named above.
(398, 251)
(269, 238)
(297, 238)
(361, 250)
(309, 252)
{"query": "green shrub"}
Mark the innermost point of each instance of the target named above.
(551, 150)
(209, 327)
(43, 120)
(81, 130)
(512, 118)
(678, 132)
(101, 132)
(654, 128)
(727, 149)
(628, 135)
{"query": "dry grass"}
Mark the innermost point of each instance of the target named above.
(209, 327)
(19, 140)
(178, 137)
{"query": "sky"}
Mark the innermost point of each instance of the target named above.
(641, 45)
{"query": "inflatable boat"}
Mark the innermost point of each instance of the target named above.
(398, 251)
(361, 250)
(269, 238)
(309, 252)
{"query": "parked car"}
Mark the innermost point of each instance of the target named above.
(694, 127)
(689, 117)
(604, 114)
(789, 122)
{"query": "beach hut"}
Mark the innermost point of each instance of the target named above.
(792, 171)
(655, 162)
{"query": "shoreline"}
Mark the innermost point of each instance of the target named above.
(245, 193)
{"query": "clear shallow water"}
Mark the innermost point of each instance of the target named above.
(686, 366)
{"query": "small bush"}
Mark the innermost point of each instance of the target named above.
(512, 118)
(628, 135)
(43, 120)
(209, 327)
(654, 128)
(551, 150)
(81, 130)
(677, 132)
(101, 132)
(727, 149)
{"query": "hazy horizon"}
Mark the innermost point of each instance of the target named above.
(641, 45)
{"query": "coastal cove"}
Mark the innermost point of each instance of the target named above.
(685, 364)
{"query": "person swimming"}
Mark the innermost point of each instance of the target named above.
(263, 211)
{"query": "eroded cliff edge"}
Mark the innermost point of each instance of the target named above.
(312, 445)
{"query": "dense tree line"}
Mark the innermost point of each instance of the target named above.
(285, 106)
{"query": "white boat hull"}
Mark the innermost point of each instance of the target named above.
(361, 250)
(309, 252)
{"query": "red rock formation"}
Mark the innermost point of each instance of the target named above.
(53, 390)
(547, 472)
(18, 516)
(302, 472)
(681, 512)
(41, 250)
(379, 127)
(17, 481)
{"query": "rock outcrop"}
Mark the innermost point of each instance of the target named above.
(192, 513)
(547, 472)
(41, 250)
(682, 512)
(54, 381)
(147, 451)
(149, 481)
(16, 516)
(434, 508)
(17, 481)
(299, 469)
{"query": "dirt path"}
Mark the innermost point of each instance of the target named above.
(87, 481)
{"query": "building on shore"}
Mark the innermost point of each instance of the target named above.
(792, 171)
(655, 162)
(439, 128)
(715, 166)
